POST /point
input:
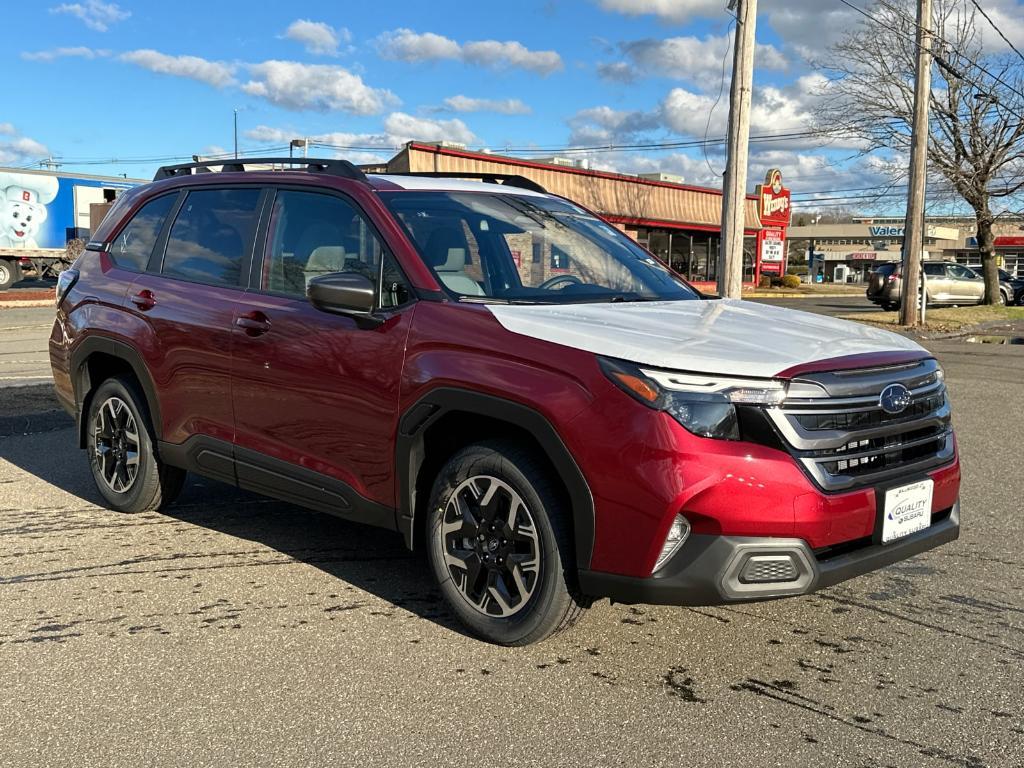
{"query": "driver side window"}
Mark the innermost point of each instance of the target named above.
(958, 272)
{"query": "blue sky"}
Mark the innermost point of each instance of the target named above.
(135, 80)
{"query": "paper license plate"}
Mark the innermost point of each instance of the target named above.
(907, 510)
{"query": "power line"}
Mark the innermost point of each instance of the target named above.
(997, 29)
(941, 60)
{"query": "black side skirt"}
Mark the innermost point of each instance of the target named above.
(254, 471)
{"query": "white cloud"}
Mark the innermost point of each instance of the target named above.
(1008, 15)
(808, 26)
(502, 106)
(96, 15)
(316, 36)
(16, 149)
(215, 73)
(687, 113)
(317, 87)
(773, 110)
(606, 126)
(676, 11)
(694, 59)
(405, 128)
(288, 84)
(398, 128)
(79, 51)
(407, 45)
(498, 55)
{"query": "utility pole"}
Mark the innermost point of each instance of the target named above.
(913, 228)
(236, 134)
(734, 192)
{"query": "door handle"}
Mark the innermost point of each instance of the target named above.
(253, 323)
(144, 300)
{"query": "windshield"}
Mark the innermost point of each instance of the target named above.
(529, 249)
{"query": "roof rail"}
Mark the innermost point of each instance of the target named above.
(342, 168)
(509, 179)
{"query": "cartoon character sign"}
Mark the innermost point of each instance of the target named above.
(23, 201)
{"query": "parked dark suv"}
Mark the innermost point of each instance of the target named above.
(504, 379)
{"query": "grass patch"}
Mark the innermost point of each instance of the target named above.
(947, 319)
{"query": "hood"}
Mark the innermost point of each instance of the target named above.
(723, 336)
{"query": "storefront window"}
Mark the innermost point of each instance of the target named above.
(699, 263)
(657, 244)
(680, 252)
(749, 257)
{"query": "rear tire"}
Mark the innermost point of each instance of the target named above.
(10, 273)
(499, 544)
(120, 445)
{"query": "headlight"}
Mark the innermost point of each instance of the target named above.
(705, 405)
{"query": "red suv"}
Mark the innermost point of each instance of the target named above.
(503, 378)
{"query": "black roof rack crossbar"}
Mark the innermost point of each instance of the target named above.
(509, 179)
(332, 167)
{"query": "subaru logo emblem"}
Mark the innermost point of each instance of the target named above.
(894, 398)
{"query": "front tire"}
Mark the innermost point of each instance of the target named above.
(120, 445)
(499, 545)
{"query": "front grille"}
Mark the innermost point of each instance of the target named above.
(835, 426)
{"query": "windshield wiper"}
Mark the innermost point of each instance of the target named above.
(620, 298)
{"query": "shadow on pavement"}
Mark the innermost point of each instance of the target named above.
(370, 559)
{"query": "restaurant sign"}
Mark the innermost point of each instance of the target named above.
(773, 201)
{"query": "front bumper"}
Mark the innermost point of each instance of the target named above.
(707, 569)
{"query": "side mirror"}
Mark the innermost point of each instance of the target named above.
(343, 293)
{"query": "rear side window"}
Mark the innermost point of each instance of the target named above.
(211, 235)
(131, 249)
(934, 270)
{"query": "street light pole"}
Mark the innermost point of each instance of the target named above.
(913, 228)
(734, 193)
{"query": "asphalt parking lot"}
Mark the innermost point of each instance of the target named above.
(234, 630)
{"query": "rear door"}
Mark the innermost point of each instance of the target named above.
(316, 394)
(937, 282)
(187, 303)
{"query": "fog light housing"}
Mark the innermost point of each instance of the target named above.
(677, 535)
(770, 569)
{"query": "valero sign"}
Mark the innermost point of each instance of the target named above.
(773, 203)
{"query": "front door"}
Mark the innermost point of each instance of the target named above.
(316, 394)
(968, 286)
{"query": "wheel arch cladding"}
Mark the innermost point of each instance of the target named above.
(446, 419)
(98, 358)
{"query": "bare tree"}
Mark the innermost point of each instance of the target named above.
(976, 137)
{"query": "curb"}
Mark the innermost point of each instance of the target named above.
(767, 295)
(22, 303)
